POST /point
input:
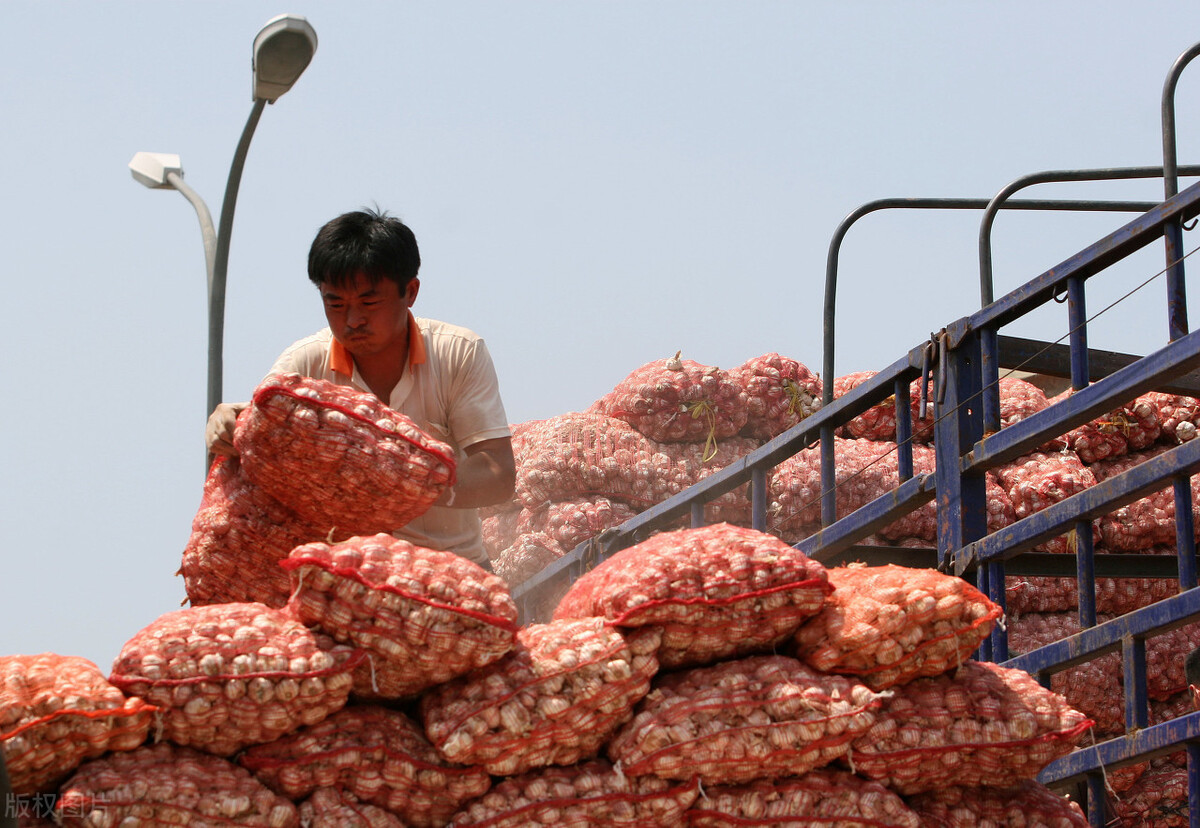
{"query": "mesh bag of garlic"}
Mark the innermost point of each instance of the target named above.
(1114, 596)
(589, 793)
(879, 421)
(231, 675)
(165, 784)
(1177, 415)
(422, 616)
(1038, 480)
(891, 624)
(57, 711)
(981, 725)
(573, 520)
(1158, 800)
(526, 556)
(554, 700)
(716, 591)
(378, 755)
(339, 457)
(1145, 523)
(677, 401)
(759, 717)
(332, 808)
(818, 799)
(1131, 427)
(1027, 805)
(239, 536)
(777, 393)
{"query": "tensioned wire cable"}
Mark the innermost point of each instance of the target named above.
(1010, 372)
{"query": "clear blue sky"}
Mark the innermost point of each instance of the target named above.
(594, 184)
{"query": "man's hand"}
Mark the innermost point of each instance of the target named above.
(218, 434)
(485, 478)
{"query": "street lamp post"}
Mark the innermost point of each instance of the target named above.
(283, 48)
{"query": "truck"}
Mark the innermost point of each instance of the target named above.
(961, 366)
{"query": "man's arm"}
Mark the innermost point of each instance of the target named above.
(218, 433)
(486, 477)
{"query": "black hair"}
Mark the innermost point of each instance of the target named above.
(366, 241)
(1192, 667)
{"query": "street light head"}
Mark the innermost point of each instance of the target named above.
(151, 169)
(282, 51)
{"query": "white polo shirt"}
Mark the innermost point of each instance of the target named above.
(449, 389)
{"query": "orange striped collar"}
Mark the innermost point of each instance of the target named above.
(341, 361)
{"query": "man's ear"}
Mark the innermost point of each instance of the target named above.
(411, 290)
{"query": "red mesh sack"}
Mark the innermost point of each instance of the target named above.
(499, 527)
(332, 808)
(677, 401)
(422, 616)
(1094, 687)
(890, 624)
(716, 591)
(232, 675)
(879, 421)
(528, 555)
(818, 799)
(572, 521)
(777, 393)
(1131, 427)
(1039, 480)
(589, 793)
(1145, 523)
(1114, 596)
(981, 725)
(339, 457)
(377, 755)
(759, 717)
(1158, 800)
(1178, 416)
(554, 700)
(239, 536)
(1019, 399)
(1028, 805)
(164, 784)
(58, 711)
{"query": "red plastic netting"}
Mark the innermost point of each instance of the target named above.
(554, 700)
(677, 401)
(339, 457)
(422, 616)
(777, 393)
(1178, 416)
(818, 799)
(759, 717)
(572, 521)
(1114, 596)
(165, 784)
(1158, 800)
(715, 591)
(1039, 480)
(1145, 523)
(1131, 427)
(586, 794)
(378, 755)
(891, 624)
(981, 725)
(58, 711)
(331, 808)
(528, 555)
(239, 536)
(1019, 399)
(232, 675)
(879, 421)
(1028, 805)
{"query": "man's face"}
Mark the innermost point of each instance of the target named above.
(369, 319)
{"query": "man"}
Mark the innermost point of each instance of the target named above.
(1191, 667)
(441, 376)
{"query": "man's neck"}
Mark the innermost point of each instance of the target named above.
(382, 371)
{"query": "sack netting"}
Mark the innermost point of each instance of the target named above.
(1145, 523)
(339, 457)
(891, 624)
(1130, 427)
(1177, 415)
(528, 555)
(376, 754)
(818, 799)
(1114, 596)
(588, 793)
(422, 616)
(716, 591)
(333, 808)
(554, 700)
(239, 535)
(1039, 480)
(165, 784)
(983, 724)
(232, 675)
(1028, 805)
(1158, 800)
(574, 520)
(879, 421)
(677, 401)
(777, 393)
(759, 717)
(58, 711)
